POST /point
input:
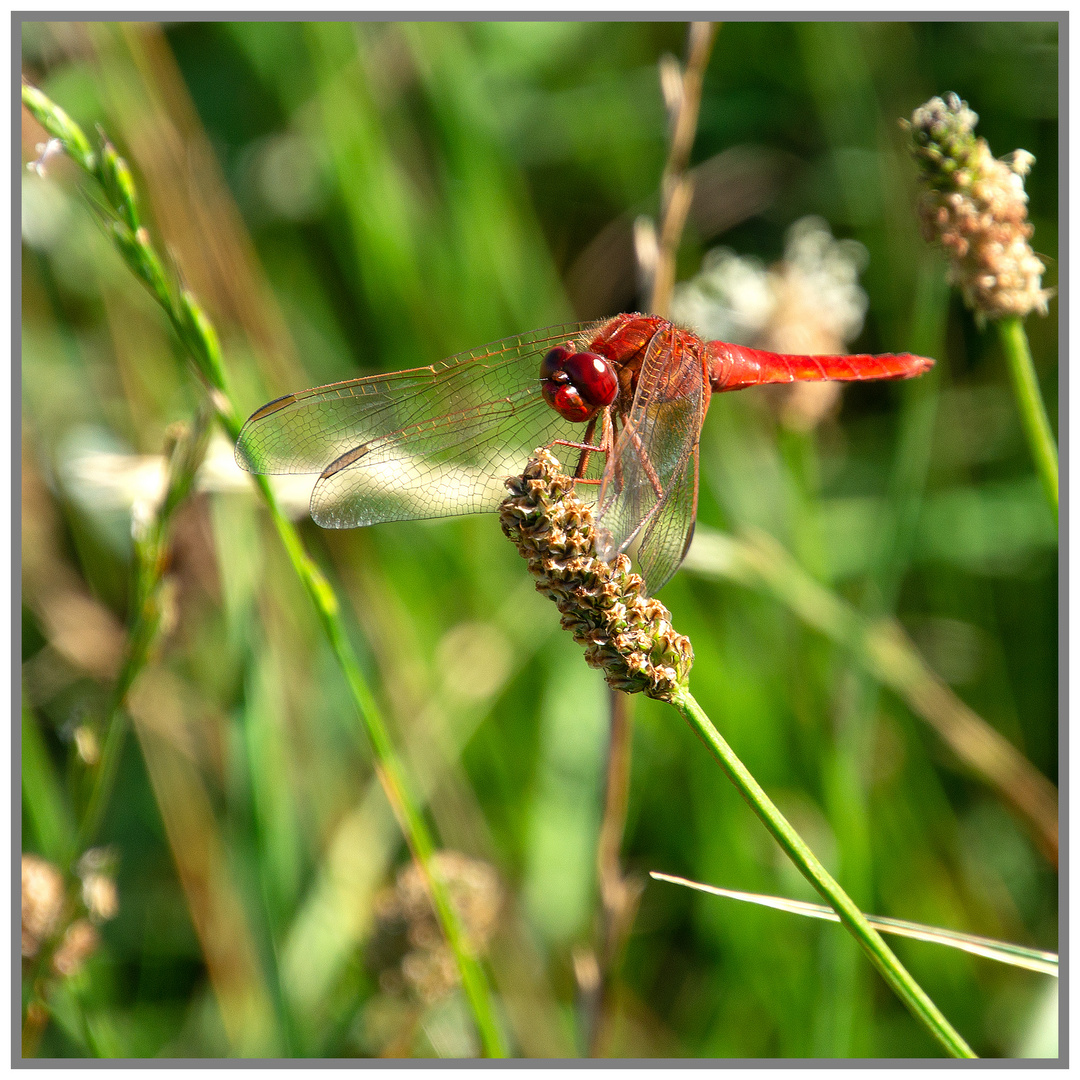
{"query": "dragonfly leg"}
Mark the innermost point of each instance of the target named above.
(578, 446)
(647, 465)
(583, 459)
(588, 447)
(617, 476)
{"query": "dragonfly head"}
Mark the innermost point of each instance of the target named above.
(577, 385)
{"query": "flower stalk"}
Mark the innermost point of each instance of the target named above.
(630, 638)
(1029, 400)
(974, 205)
(151, 554)
(869, 940)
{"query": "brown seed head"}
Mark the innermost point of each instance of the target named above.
(626, 634)
(408, 948)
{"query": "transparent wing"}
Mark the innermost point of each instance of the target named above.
(651, 461)
(430, 442)
(666, 538)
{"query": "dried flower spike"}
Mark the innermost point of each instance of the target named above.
(625, 633)
(42, 902)
(408, 948)
(975, 206)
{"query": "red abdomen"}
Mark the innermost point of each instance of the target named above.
(732, 367)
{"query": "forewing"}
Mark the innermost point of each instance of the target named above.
(653, 450)
(666, 538)
(430, 442)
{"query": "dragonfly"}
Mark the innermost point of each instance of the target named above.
(624, 399)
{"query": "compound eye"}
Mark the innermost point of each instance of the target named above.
(555, 360)
(594, 378)
(566, 401)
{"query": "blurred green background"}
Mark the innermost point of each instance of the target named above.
(349, 198)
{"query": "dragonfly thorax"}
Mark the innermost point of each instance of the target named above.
(627, 340)
(577, 385)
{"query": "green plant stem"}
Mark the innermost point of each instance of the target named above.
(387, 765)
(45, 808)
(881, 956)
(1029, 400)
(151, 551)
(196, 333)
(884, 650)
(140, 638)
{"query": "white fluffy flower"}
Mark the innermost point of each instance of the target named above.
(809, 302)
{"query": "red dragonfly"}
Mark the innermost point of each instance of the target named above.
(626, 396)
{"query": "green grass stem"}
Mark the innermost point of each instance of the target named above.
(871, 942)
(1029, 400)
(881, 647)
(200, 341)
(42, 793)
(151, 554)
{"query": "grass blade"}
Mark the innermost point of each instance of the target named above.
(42, 794)
(1002, 951)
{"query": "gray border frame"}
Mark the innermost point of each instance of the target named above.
(1061, 17)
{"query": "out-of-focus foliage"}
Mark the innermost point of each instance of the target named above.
(349, 198)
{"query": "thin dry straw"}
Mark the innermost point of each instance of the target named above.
(676, 186)
(618, 895)
(1002, 951)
